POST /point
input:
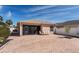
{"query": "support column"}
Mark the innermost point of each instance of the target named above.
(21, 30)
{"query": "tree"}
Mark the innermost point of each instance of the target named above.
(9, 22)
(1, 18)
(4, 32)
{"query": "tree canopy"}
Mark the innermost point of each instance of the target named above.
(1, 18)
(9, 22)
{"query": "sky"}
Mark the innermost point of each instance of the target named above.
(51, 13)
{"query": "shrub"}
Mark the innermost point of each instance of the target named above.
(2, 39)
(4, 30)
(67, 29)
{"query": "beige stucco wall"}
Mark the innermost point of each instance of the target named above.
(46, 30)
(74, 31)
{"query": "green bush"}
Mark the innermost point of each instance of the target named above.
(2, 39)
(4, 30)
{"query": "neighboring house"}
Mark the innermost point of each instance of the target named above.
(29, 27)
(68, 29)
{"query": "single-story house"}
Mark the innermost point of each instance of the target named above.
(31, 26)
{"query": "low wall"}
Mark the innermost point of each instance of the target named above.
(74, 31)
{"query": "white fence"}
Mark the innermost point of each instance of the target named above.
(74, 31)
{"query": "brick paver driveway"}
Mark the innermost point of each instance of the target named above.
(41, 43)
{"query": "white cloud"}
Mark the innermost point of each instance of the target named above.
(49, 15)
(9, 14)
(47, 12)
(39, 8)
(65, 9)
(45, 15)
(58, 10)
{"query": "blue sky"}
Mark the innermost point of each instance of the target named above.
(51, 13)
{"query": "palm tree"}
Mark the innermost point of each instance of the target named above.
(9, 22)
(1, 18)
